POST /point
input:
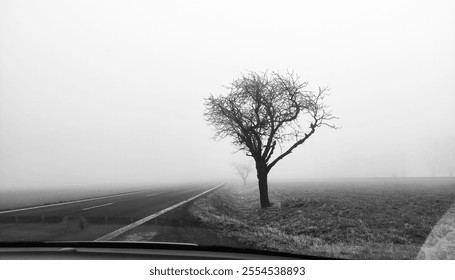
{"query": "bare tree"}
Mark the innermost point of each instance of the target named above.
(264, 111)
(243, 169)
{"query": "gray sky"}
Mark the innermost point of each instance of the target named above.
(112, 91)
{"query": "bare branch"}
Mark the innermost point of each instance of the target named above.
(263, 110)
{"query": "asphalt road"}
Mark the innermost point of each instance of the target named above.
(88, 220)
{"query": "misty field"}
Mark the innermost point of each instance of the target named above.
(348, 218)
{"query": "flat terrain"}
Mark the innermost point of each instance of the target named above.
(350, 218)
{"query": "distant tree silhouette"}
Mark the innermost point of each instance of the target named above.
(243, 169)
(262, 112)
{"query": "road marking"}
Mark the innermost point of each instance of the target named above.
(88, 208)
(71, 202)
(124, 229)
(153, 194)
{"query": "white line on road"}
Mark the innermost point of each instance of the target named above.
(153, 194)
(71, 202)
(88, 208)
(148, 218)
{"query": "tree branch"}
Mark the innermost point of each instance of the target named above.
(301, 141)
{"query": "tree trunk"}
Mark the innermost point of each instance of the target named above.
(244, 181)
(263, 187)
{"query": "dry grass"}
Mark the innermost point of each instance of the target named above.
(360, 219)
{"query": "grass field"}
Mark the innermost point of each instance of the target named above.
(348, 218)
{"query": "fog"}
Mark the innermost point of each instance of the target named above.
(111, 92)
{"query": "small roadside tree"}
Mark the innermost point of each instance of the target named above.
(263, 111)
(244, 170)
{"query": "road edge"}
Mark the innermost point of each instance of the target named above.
(131, 226)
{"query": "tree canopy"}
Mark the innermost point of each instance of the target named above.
(263, 111)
